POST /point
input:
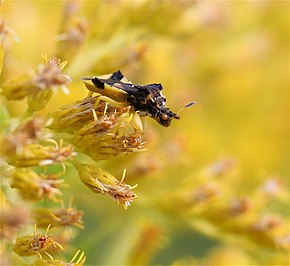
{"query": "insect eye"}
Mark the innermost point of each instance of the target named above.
(164, 117)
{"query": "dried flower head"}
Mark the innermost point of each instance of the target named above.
(35, 244)
(102, 182)
(32, 186)
(58, 217)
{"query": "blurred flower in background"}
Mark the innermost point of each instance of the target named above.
(212, 188)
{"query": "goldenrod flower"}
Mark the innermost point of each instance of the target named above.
(74, 116)
(28, 132)
(93, 141)
(33, 186)
(45, 77)
(58, 217)
(35, 244)
(102, 182)
(101, 131)
(38, 155)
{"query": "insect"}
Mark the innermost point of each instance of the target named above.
(146, 99)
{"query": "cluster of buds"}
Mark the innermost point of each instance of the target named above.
(100, 130)
(102, 182)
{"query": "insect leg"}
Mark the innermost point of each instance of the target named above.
(108, 100)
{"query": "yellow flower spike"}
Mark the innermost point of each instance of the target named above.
(32, 186)
(102, 182)
(35, 244)
(58, 217)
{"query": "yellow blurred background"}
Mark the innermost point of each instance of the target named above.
(231, 57)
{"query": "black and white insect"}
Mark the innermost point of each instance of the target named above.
(146, 99)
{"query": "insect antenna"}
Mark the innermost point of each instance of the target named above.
(186, 106)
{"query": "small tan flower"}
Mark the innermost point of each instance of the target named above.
(35, 244)
(102, 182)
(49, 75)
(32, 186)
(58, 217)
